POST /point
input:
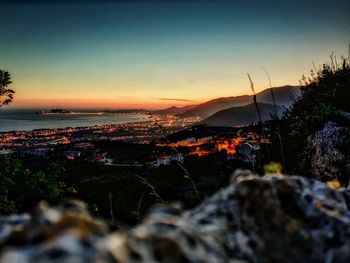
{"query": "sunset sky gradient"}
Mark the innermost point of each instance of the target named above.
(154, 54)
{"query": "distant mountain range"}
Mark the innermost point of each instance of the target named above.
(244, 111)
(283, 96)
(174, 110)
(240, 110)
(242, 115)
(225, 111)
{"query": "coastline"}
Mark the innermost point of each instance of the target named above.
(28, 121)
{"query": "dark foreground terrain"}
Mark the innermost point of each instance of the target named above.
(274, 218)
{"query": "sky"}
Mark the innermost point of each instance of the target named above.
(155, 54)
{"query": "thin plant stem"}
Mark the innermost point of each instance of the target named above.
(111, 206)
(276, 119)
(272, 95)
(332, 61)
(336, 62)
(316, 70)
(259, 115)
(153, 190)
(139, 207)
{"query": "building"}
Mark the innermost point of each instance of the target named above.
(83, 146)
(71, 155)
(166, 160)
(6, 152)
(40, 152)
(99, 157)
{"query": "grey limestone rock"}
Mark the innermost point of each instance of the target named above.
(326, 148)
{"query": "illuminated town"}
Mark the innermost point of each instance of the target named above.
(76, 142)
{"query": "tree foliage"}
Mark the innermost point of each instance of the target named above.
(6, 94)
(22, 188)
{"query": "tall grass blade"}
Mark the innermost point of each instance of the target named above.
(276, 118)
(259, 116)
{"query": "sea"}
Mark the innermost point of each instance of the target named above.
(28, 119)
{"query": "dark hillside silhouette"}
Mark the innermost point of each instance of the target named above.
(283, 97)
(243, 115)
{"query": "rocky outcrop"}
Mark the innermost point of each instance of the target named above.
(326, 156)
(254, 219)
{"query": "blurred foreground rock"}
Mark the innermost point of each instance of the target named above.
(255, 219)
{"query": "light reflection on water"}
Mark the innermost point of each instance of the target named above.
(27, 120)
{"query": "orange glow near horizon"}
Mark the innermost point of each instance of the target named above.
(98, 104)
(154, 91)
(108, 98)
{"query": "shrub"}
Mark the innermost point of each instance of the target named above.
(324, 98)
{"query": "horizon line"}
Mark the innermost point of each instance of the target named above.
(133, 106)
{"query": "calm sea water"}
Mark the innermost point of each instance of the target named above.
(11, 120)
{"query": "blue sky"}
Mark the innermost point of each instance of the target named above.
(160, 53)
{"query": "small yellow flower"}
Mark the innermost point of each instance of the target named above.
(334, 184)
(273, 168)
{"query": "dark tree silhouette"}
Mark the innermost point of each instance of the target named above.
(6, 95)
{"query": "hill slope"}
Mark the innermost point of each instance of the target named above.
(282, 95)
(174, 110)
(243, 115)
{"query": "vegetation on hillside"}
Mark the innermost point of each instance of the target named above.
(22, 188)
(121, 194)
(325, 98)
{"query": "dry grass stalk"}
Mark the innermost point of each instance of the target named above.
(276, 118)
(111, 207)
(254, 98)
(153, 191)
(138, 213)
(259, 115)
